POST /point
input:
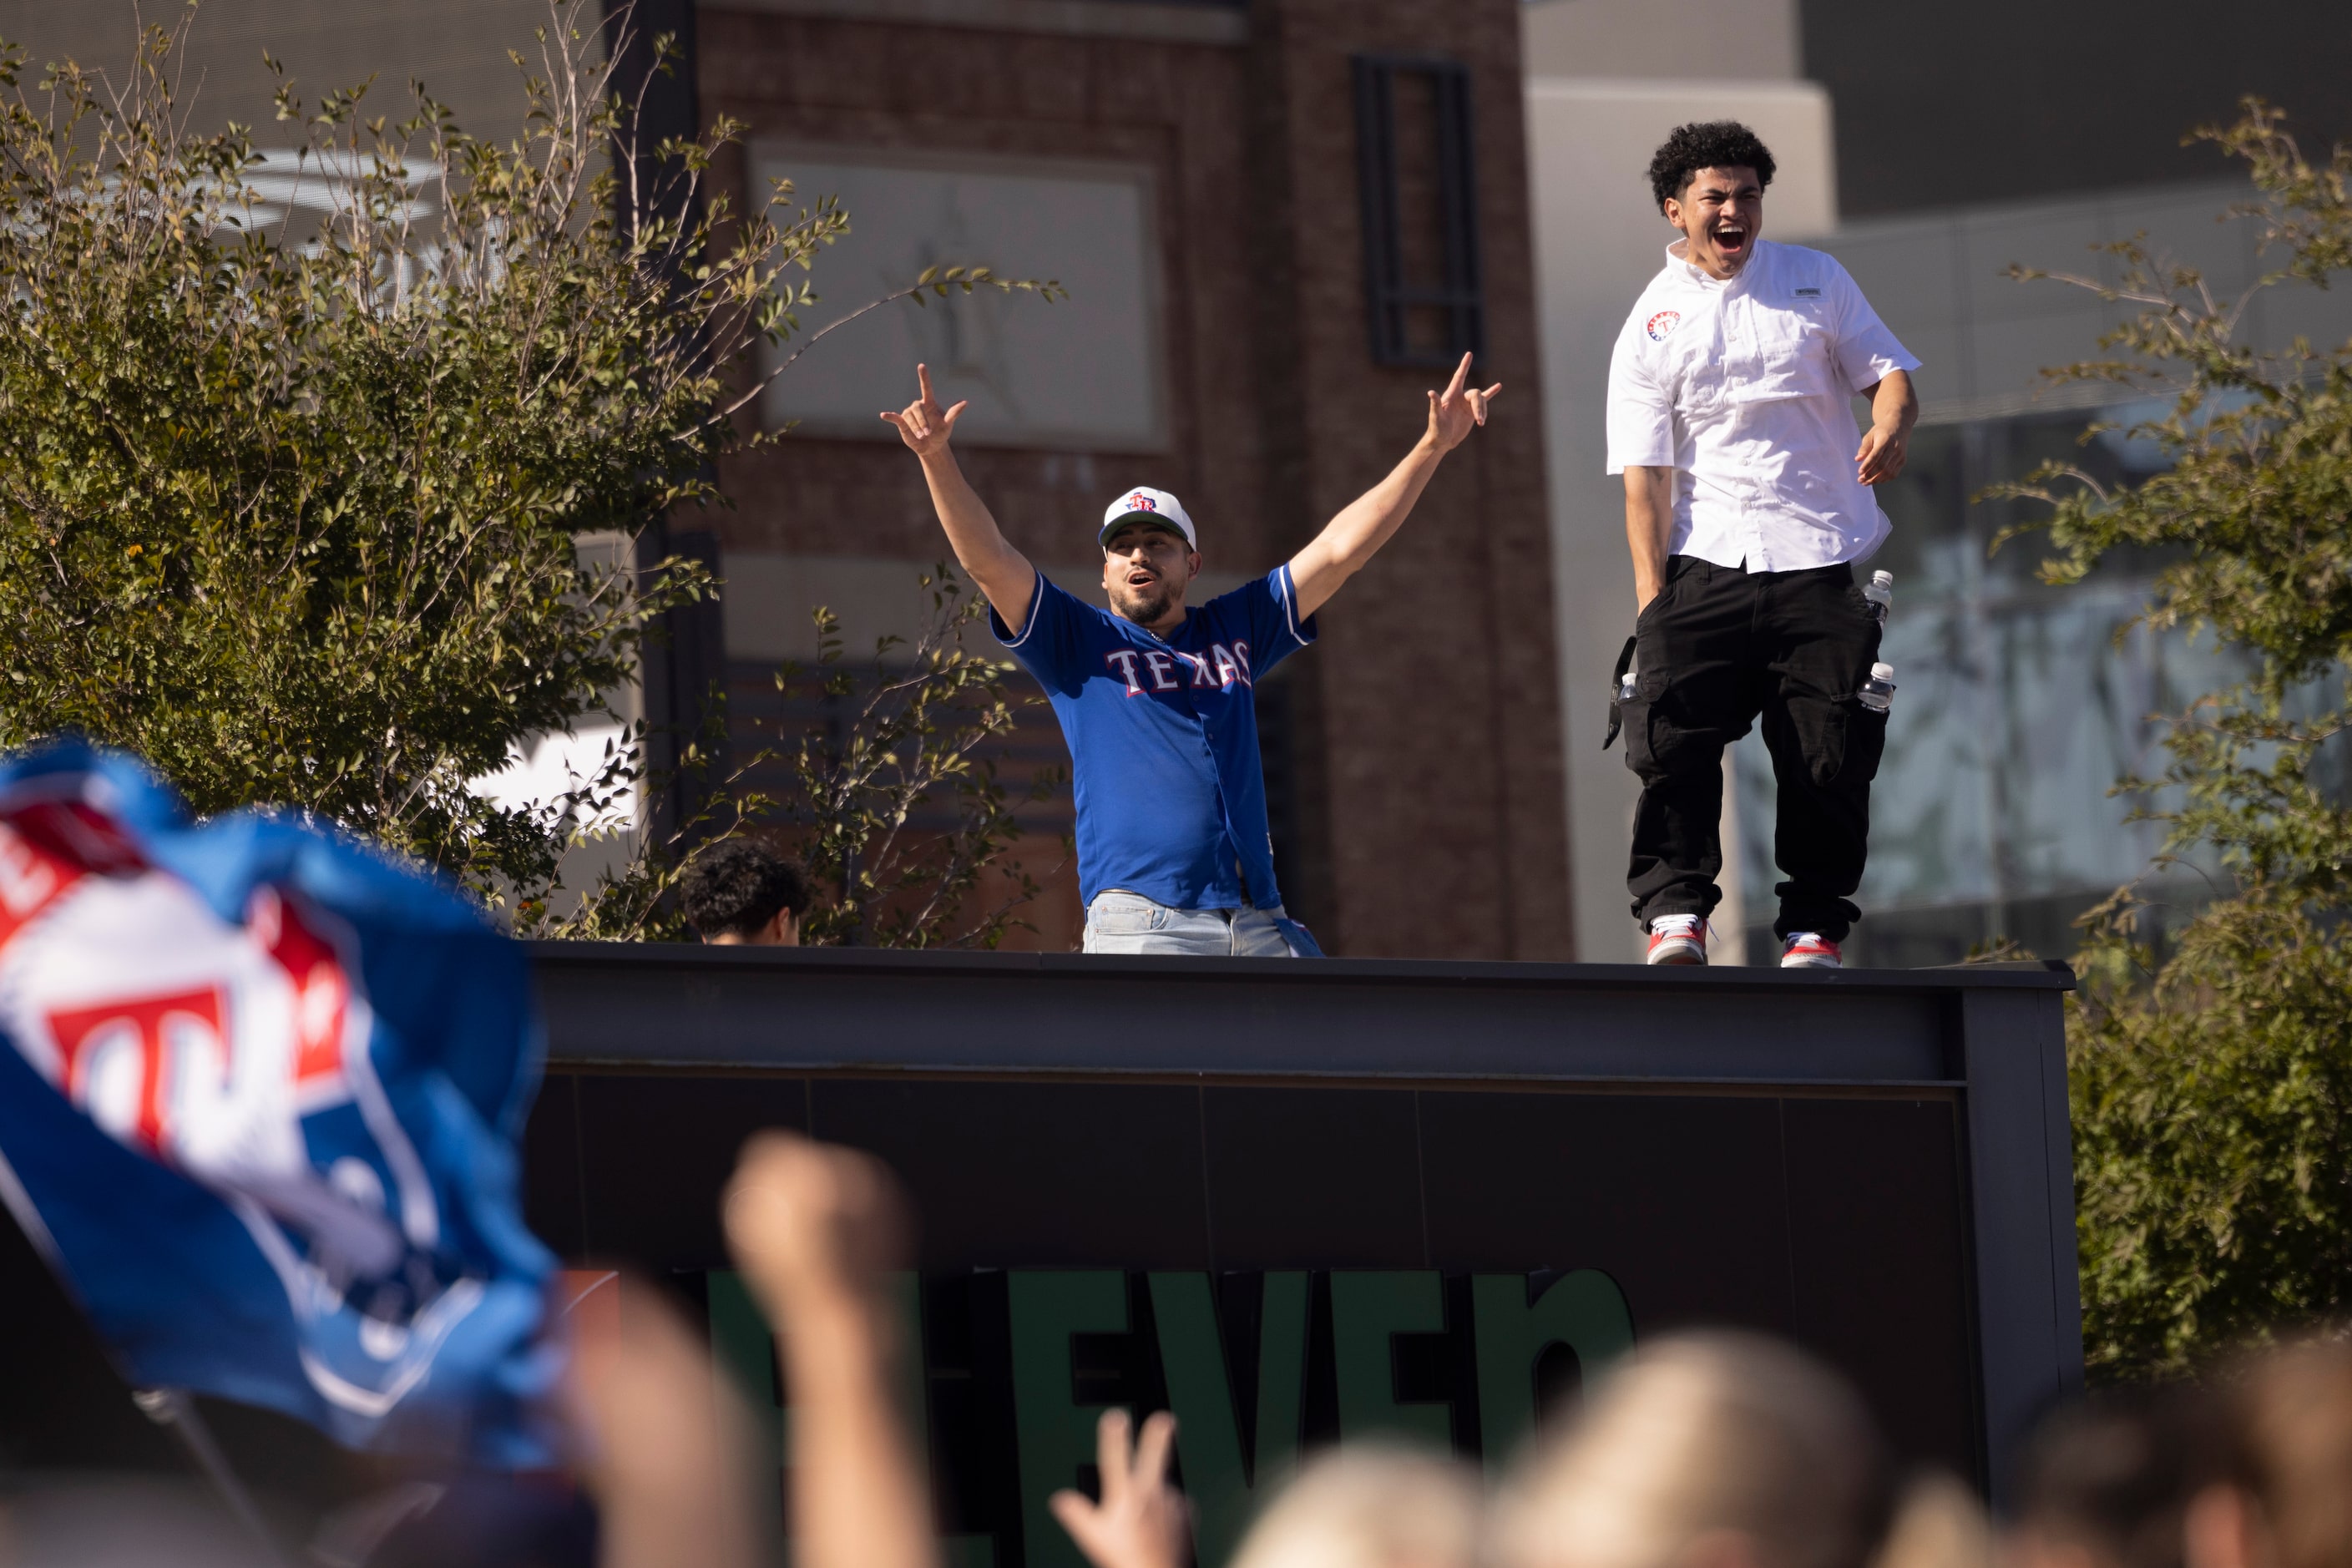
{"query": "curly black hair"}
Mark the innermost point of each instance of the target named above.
(1706, 144)
(737, 885)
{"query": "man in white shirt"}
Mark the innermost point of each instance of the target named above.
(1747, 500)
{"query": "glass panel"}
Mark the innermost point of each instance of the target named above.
(2019, 707)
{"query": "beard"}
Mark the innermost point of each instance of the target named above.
(1142, 605)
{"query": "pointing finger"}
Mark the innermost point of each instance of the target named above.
(1111, 1454)
(923, 378)
(1461, 375)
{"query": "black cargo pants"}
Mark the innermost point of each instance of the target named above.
(1716, 649)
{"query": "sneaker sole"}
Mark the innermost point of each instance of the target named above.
(1810, 963)
(1685, 956)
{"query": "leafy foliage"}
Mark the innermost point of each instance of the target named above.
(2211, 1053)
(923, 730)
(896, 803)
(300, 450)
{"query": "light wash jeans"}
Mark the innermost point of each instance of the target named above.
(1130, 923)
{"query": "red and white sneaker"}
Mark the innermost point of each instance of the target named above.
(1810, 949)
(1678, 939)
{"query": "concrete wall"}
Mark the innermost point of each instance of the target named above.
(1939, 280)
(2002, 102)
(456, 47)
(1651, 40)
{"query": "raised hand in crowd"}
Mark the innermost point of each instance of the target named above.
(816, 1229)
(667, 1444)
(1142, 1521)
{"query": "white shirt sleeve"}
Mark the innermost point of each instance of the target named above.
(1865, 350)
(1641, 415)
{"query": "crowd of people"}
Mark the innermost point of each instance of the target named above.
(1703, 1450)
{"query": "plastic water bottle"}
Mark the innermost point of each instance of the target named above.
(1878, 693)
(1881, 594)
(1626, 686)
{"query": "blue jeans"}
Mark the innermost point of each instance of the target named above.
(1128, 923)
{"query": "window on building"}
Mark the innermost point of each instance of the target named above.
(1414, 159)
(1086, 373)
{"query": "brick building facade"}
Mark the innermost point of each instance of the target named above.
(1416, 751)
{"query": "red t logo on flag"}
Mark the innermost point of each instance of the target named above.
(88, 1039)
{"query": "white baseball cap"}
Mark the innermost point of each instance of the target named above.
(1157, 505)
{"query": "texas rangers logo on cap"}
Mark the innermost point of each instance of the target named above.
(1661, 324)
(1158, 506)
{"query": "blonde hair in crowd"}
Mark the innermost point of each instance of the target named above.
(1371, 1507)
(1739, 1441)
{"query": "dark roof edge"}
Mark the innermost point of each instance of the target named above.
(2028, 975)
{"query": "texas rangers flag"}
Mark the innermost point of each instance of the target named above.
(259, 1091)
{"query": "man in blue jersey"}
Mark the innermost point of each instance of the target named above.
(1154, 695)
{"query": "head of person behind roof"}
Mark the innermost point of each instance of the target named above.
(1727, 1450)
(1151, 555)
(738, 892)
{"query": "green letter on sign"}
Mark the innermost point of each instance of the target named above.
(1055, 1433)
(1208, 1433)
(743, 1350)
(1583, 1310)
(1368, 1311)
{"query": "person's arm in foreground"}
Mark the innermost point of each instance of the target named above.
(815, 1229)
(1649, 518)
(1003, 573)
(1356, 535)
(1893, 409)
(666, 1444)
(1142, 1521)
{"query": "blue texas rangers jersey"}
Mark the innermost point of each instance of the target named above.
(1164, 736)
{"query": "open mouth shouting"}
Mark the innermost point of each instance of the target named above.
(1730, 239)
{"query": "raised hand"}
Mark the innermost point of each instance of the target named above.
(1455, 412)
(925, 426)
(814, 1225)
(1142, 1521)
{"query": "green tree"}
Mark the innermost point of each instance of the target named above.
(299, 451)
(895, 801)
(2211, 1049)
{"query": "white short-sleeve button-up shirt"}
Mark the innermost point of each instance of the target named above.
(1744, 388)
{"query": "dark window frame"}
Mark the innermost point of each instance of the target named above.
(1388, 297)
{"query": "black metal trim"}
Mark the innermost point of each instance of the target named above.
(1990, 1037)
(1388, 295)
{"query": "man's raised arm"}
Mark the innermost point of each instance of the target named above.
(1003, 573)
(1356, 535)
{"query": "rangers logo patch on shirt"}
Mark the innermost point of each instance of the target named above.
(1659, 325)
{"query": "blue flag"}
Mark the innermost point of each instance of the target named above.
(260, 1088)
